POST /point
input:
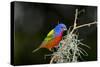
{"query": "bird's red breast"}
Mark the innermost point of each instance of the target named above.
(54, 42)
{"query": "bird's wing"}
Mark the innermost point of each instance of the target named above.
(50, 35)
(48, 38)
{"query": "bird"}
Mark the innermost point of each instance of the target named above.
(53, 37)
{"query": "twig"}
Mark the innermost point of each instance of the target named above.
(52, 59)
(76, 14)
(83, 10)
(88, 24)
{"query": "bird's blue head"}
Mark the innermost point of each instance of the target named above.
(60, 28)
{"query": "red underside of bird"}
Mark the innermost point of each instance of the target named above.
(52, 43)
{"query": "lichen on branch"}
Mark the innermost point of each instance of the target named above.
(69, 50)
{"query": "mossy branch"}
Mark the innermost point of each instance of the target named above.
(69, 40)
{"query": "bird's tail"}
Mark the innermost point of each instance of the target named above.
(36, 50)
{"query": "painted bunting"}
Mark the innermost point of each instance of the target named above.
(53, 37)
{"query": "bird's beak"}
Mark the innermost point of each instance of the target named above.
(65, 29)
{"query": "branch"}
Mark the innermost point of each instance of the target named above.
(71, 32)
(76, 14)
(52, 58)
(88, 24)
